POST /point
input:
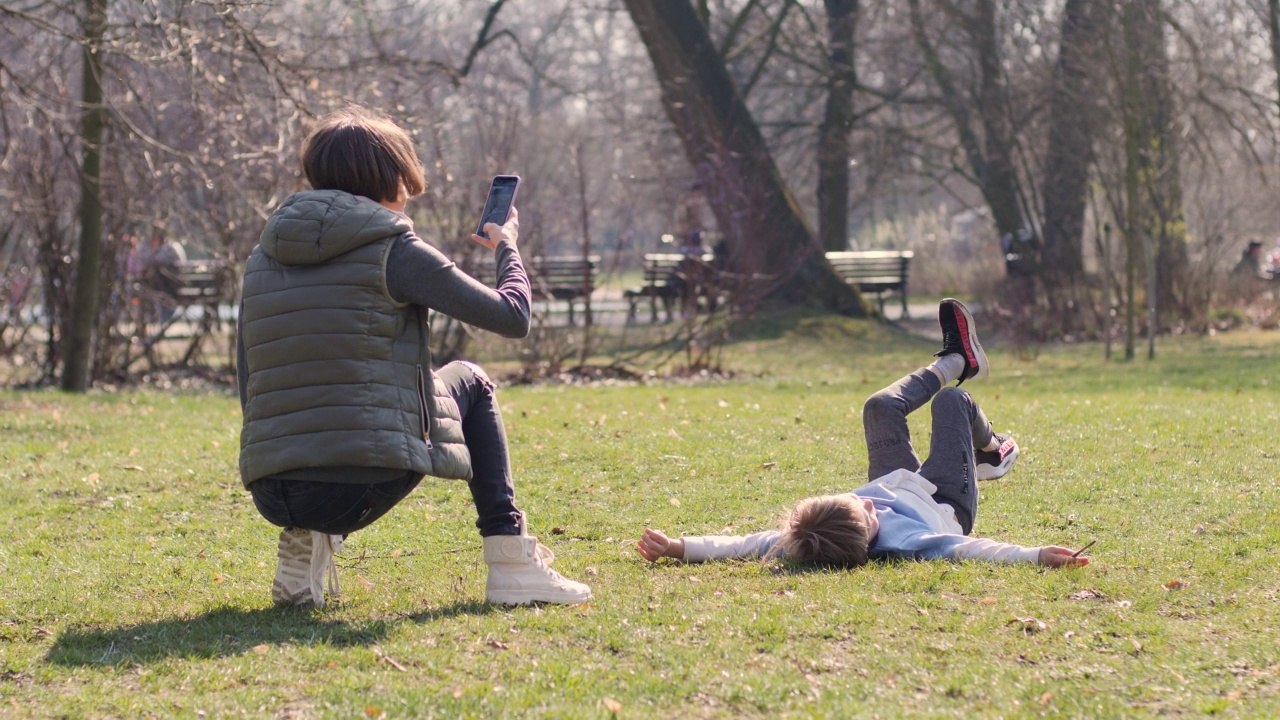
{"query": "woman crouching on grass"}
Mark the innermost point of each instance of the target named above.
(909, 510)
(343, 414)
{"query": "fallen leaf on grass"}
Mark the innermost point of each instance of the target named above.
(367, 585)
(1124, 603)
(137, 468)
(769, 466)
(988, 601)
(1175, 585)
(675, 501)
(612, 705)
(261, 649)
(591, 572)
(673, 434)
(1086, 594)
(92, 479)
(784, 593)
(1029, 624)
(1045, 698)
(373, 711)
(397, 553)
(498, 644)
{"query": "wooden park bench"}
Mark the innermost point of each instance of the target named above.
(569, 278)
(203, 284)
(876, 272)
(659, 271)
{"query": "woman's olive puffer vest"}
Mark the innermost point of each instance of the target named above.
(339, 374)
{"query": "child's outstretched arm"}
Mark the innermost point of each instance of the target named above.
(654, 544)
(1058, 557)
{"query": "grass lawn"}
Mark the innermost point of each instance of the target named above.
(134, 579)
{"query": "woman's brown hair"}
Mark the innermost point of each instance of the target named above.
(364, 153)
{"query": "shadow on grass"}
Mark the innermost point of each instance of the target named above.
(226, 632)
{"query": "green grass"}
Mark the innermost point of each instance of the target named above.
(135, 572)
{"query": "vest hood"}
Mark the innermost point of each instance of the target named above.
(318, 225)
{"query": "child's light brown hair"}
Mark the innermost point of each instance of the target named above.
(364, 153)
(829, 530)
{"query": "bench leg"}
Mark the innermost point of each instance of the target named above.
(571, 322)
(905, 314)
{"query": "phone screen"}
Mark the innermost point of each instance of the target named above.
(502, 193)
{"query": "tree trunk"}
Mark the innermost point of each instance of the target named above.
(79, 345)
(765, 234)
(1273, 22)
(833, 136)
(989, 157)
(1069, 155)
(1162, 215)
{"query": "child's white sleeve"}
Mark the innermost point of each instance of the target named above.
(728, 547)
(992, 551)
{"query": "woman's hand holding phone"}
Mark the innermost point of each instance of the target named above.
(509, 231)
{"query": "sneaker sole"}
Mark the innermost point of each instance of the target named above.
(973, 349)
(528, 598)
(995, 472)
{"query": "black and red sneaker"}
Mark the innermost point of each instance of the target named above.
(995, 463)
(961, 338)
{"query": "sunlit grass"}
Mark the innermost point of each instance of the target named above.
(134, 578)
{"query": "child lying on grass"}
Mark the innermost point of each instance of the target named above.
(908, 510)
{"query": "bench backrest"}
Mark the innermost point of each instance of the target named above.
(565, 271)
(880, 266)
(659, 266)
(201, 281)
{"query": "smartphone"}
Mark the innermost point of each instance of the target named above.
(502, 194)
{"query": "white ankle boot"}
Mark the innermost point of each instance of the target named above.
(518, 573)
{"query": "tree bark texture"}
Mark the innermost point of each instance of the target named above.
(84, 311)
(1273, 23)
(988, 154)
(837, 123)
(1070, 150)
(765, 233)
(1161, 173)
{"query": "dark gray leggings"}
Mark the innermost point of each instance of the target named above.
(958, 427)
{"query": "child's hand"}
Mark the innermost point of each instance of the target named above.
(653, 544)
(509, 232)
(1058, 557)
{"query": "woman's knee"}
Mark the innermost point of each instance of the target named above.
(468, 373)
